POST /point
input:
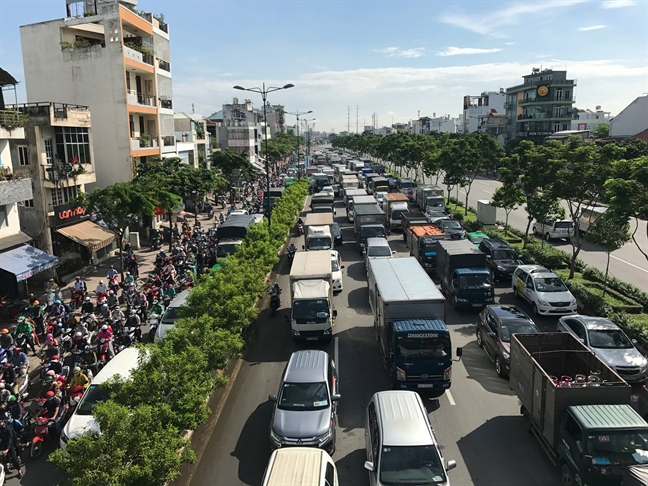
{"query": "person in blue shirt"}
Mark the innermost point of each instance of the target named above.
(19, 360)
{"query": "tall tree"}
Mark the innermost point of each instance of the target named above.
(602, 130)
(481, 153)
(508, 197)
(611, 230)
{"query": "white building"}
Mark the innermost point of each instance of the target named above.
(192, 138)
(632, 121)
(426, 124)
(588, 119)
(114, 59)
(476, 109)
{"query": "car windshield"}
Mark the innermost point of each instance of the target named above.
(93, 394)
(450, 224)
(372, 231)
(319, 243)
(564, 225)
(303, 396)
(480, 281)
(310, 310)
(378, 251)
(504, 255)
(516, 327)
(335, 266)
(413, 465)
(609, 338)
(435, 202)
(617, 447)
(549, 284)
(434, 347)
(476, 239)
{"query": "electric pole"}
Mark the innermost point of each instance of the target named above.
(348, 119)
(357, 119)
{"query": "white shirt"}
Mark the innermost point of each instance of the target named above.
(101, 289)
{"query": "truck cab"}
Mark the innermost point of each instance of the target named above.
(407, 187)
(471, 287)
(319, 238)
(227, 247)
(369, 231)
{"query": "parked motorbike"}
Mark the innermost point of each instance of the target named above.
(156, 243)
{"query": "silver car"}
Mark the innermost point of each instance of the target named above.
(609, 343)
(305, 412)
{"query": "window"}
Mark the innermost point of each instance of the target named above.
(556, 127)
(567, 95)
(559, 94)
(23, 155)
(577, 327)
(29, 203)
(49, 151)
(3, 217)
(63, 195)
(329, 477)
(565, 126)
(72, 145)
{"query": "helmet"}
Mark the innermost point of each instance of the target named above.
(104, 306)
(49, 337)
(77, 278)
(4, 331)
(55, 357)
(87, 298)
(51, 279)
(2, 385)
(111, 292)
(49, 378)
(57, 301)
(12, 398)
(36, 302)
(155, 301)
(51, 373)
(112, 267)
(49, 394)
(21, 319)
(170, 286)
(127, 273)
(104, 327)
(100, 282)
(78, 334)
(76, 370)
(132, 312)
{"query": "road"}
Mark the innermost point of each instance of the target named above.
(478, 423)
(626, 263)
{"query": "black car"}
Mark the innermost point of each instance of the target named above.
(495, 325)
(452, 228)
(501, 259)
(337, 234)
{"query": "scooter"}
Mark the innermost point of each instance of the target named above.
(113, 283)
(76, 300)
(154, 322)
(275, 303)
(42, 429)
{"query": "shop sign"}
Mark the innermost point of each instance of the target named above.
(68, 213)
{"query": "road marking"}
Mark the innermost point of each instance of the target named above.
(450, 399)
(631, 264)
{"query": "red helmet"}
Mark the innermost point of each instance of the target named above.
(49, 394)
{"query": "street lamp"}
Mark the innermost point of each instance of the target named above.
(298, 114)
(264, 95)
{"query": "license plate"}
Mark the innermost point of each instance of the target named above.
(561, 310)
(311, 339)
(425, 385)
(476, 305)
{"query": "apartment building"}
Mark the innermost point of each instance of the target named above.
(193, 141)
(113, 58)
(540, 106)
(425, 124)
(477, 109)
(588, 119)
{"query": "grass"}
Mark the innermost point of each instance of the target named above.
(467, 218)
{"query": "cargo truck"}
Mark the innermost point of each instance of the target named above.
(319, 180)
(318, 231)
(366, 178)
(394, 205)
(409, 324)
(322, 203)
(407, 187)
(231, 233)
(349, 194)
(377, 184)
(412, 218)
(359, 201)
(463, 273)
(430, 198)
(274, 193)
(311, 296)
(422, 243)
(578, 408)
(368, 214)
(349, 183)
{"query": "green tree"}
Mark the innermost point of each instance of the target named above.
(542, 206)
(602, 130)
(508, 197)
(225, 161)
(611, 230)
(135, 448)
(479, 152)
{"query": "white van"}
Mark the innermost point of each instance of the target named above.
(300, 466)
(588, 216)
(400, 443)
(82, 419)
(171, 315)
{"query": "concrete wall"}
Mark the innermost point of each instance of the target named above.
(93, 77)
(13, 221)
(632, 120)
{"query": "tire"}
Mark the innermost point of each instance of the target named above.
(36, 449)
(480, 341)
(566, 477)
(534, 309)
(515, 293)
(548, 237)
(455, 306)
(500, 367)
(535, 231)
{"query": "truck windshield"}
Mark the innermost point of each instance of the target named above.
(480, 281)
(303, 396)
(319, 243)
(609, 339)
(311, 310)
(397, 213)
(227, 249)
(372, 231)
(437, 347)
(618, 447)
(411, 465)
(405, 184)
(435, 202)
(549, 284)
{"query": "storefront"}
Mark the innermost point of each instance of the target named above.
(19, 264)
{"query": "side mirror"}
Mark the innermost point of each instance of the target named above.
(342, 266)
(336, 397)
(303, 247)
(287, 318)
(272, 398)
(634, 341)
(459, 352)
(393, 252)
(335, 313)
(369, 466)
(451, 465)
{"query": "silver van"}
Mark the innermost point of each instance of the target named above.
(400, 443)
(305, 411)
(172, 314)
(377, 248)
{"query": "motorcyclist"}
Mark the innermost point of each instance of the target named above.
(25, 327)
(6, 339)
(79, 341)
(142, 302)
(112, 300)
(87, 307)
(50, 384)
(52, 286)
(80, 285)
(51, 409)
(8, 440)
(275, 291)
(106, 334)
(78, 379)
(129, 280)
(117, 315)
(90, 359)
(170, 292)
(101, 289)
(104, 313)
(38, 314)
(157, 308)
(135, 321)
(111, 272)
(19, 360)
(15, 408)
(292, 249)
(58, 309)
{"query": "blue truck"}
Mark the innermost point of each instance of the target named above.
(409, 324)
(464, 277)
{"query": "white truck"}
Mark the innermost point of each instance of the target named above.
(311, 297)
(394, 205)
(318, 231)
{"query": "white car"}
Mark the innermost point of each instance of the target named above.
(239, 212)
(328, 190)
(553, 229)
(336, 271)
(380, 196)
(544, 290)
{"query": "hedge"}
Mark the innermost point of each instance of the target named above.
(140, 443)
(594, 274)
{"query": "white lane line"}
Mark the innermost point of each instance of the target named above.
(450, 399)
(631, 264)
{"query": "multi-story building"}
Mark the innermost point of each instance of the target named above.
(632, 121)
(425, 124)
(477, 109)
(540, 106)
(114, 59)
(588, 119)
(192, 138)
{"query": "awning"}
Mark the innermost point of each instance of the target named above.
(259, 168)
(26, 261)
(88, 234)
(14, 240)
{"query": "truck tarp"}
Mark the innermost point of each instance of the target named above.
(310, 289)
(311, 265)
(235, 227)
(403, 279)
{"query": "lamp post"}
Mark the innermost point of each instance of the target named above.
(263, 91)
(298, 114)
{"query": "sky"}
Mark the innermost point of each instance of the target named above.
(393, 58)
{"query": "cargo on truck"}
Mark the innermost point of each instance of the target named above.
(359, 201)
(422, 244)
(409, 325)
(578, 408)
(464, 277)
(322, 203)
(430, 197)
(311, 296)
(318, 231)
(412, 218)
(394, 205)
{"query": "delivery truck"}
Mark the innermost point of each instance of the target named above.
(464, 277)
(349, 194)
(422, 243)
(409, 325)
(578, 408)
(322, 203)
(359, 201)
(394, 205)
(430, 198)
(231, 233)
(412, 218)
(318, 231)
(311, 296)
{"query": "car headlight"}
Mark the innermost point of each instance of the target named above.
(447, 373)
(462, 300)
(327, 331)
(295, 332)
(274, 437)
(573, 302)
(324, 437)
(506, 355)
(400, 374)
(542, 302)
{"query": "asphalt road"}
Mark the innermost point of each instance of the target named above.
(478, 423)
(626, 263)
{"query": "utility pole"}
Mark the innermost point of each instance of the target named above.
(357, 119)
(348, 119)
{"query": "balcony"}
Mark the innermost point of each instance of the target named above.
(132, 52)
(139, 98)
(144, 142)
(166, 104)
(14, 187)
(547, 99)
(169, 141)
(165, 66)
(11, 119)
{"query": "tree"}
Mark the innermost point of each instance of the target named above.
(611, 230)
(226, 161)
(480, 152)
(508, 197)
(542, 206)
(602, 130)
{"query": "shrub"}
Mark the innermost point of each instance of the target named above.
(460, 204)
(473, 225)
(452, 200)
(458, 215)
(629, 290)
(618, 302)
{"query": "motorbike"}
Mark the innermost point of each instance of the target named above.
(101, 300)
(66, 340)
(291, 255)
(53, 295)
(21, 340)
(75, 395)
(54, 326)
(103, 355)
(154, 322)
(76, 299)
(42, 429)
(156, 243)
(210, 215)
(300, 229)
(275, 302)
(113, 283)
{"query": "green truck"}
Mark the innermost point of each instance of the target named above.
(578, 408)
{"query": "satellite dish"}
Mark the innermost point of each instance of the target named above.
(598, 107)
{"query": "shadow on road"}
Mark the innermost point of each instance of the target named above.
(468, 330)
(358, 300)
(40, 471)
(350, 468)
(481, 369)
(357, 271)
(544, 323)
(522, 456)
(253, 460)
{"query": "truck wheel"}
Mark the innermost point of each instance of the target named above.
(566, 478)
